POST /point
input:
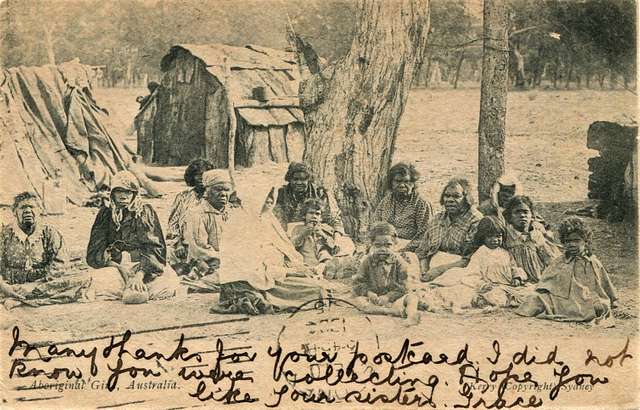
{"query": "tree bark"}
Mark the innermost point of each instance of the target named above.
(352, 118)
(493, 96)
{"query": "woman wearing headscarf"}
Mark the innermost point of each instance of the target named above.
(127, 248)
(505, 188)
(251, 263)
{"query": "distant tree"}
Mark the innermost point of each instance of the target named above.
(454, 32)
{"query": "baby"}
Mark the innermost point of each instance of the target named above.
(380, 285)
(575, 287)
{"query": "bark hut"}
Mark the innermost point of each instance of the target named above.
(493, 96)
(352, 110)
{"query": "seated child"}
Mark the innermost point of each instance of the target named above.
(575, 287)
(315, 241)
(380, 285)
(488, 279)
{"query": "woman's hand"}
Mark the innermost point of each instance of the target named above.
(135, 282)
(373, 298)
(106, 257)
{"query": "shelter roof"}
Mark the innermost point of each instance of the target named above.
(241, 70)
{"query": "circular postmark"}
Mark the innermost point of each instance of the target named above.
(322, 350)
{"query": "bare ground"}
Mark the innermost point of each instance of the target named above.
(546, 145)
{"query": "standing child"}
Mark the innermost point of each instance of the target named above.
(380, 285)
(575, 287)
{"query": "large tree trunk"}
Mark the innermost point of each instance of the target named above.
(353, 111)
(493, 96)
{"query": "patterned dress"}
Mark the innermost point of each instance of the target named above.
(28, 258)
(183, 202)
(532, 250)
(451, 236)
(410, 217)
(36, 267)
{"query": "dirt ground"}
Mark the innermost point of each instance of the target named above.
(546, 146)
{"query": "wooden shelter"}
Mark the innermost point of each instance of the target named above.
(207, 91)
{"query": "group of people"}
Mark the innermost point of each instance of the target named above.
(500, 253)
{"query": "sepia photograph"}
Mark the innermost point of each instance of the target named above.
(304, 204)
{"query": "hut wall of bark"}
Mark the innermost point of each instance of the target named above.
(186, 106)
(613, 178)
(189, 116)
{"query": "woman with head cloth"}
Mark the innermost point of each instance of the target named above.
(127, 248)
(247, 259)
(505, 188)
(447, 239)
(287, 205)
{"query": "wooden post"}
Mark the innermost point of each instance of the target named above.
(233, 125)
(493, 96)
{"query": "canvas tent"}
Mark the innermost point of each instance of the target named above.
(203, 86)
(51, 125)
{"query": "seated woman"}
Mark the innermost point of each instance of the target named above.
(287, 203)
(448, 235)
(184, 201)
(575, 287)
(272, 279)
(127, 248)
(531, 245)
(490, 279)
(404, 208)
(33, 260)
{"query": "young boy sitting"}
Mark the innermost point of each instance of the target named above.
(380, 285)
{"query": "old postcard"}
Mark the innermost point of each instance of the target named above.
(318, 204)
